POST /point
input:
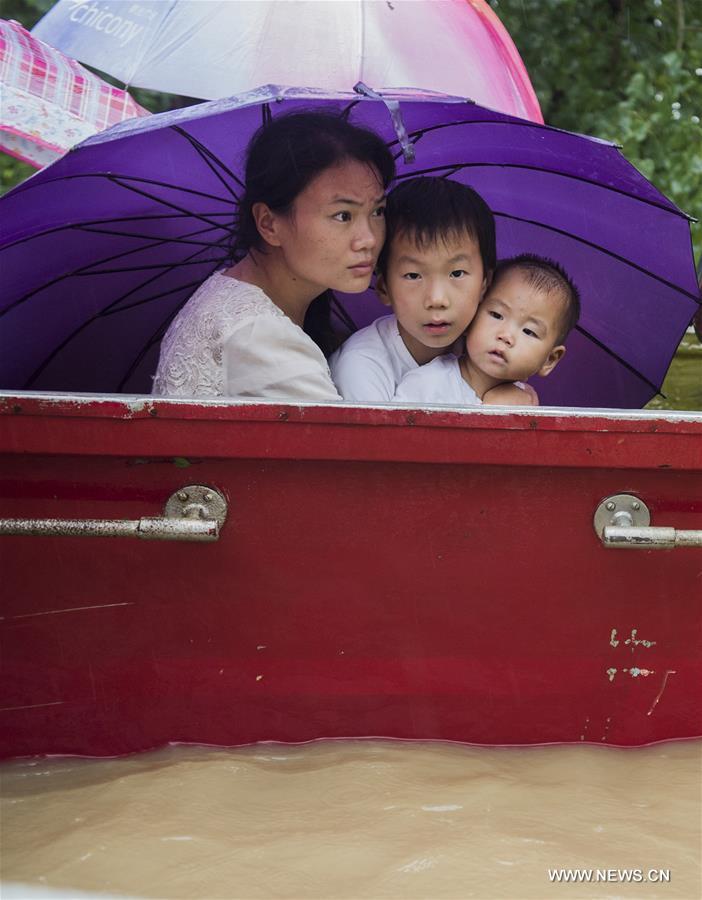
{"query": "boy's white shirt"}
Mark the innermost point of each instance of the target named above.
(372, 362)
(439, 381)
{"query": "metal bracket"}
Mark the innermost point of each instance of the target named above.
(197, 501)
(622, 521)
(196, 512)
(622, 510)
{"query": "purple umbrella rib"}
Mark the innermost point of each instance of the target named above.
(623, 174)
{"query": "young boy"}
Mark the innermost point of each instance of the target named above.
(436, 263)
(518, 331)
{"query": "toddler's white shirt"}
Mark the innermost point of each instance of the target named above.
(439, 381)
(372, 362)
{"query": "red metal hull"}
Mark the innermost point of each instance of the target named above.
(382, 572)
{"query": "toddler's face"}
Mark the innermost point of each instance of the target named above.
(434, 291)
(514, 333)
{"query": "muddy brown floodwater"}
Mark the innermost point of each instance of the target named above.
(352, 819)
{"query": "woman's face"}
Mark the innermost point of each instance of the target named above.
(332, 236)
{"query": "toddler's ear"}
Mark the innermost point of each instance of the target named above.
(552, 360)
(382, 290)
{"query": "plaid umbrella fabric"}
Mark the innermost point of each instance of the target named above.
(50, 102)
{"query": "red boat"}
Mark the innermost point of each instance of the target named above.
(312, 572)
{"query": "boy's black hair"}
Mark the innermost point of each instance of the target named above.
(429, 209)
(546, 275)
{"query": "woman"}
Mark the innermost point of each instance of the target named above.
(311, 220)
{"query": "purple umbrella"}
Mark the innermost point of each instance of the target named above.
(100, 250)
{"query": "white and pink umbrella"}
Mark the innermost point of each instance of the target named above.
(49, 102)
(217, 48)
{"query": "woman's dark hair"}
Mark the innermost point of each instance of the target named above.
(430, 209)
(283, 157)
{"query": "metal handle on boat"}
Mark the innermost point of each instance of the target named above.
(193, 513)
(622, 521)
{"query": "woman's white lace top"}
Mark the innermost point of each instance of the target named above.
(231, 340)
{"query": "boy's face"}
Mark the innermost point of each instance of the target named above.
(514, 333)
(434, 291)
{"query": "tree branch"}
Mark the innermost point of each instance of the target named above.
(680, 39)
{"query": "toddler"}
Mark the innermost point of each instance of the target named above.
(518, 332)
(434, 268)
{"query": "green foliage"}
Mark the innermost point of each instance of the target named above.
(28, 12)
(629, 71)
(12, 171)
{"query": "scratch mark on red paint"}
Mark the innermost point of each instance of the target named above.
(631, 641)
(31, 706)
(54, 612)
(585, 728)
(634, 671)
(635, 642)
(660, 693)
(92, 683)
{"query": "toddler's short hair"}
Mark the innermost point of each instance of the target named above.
(546, 275)
(429, 209)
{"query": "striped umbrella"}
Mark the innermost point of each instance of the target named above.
(49, 102)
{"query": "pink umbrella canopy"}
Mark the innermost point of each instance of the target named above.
(219, 48)
(50, 102)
